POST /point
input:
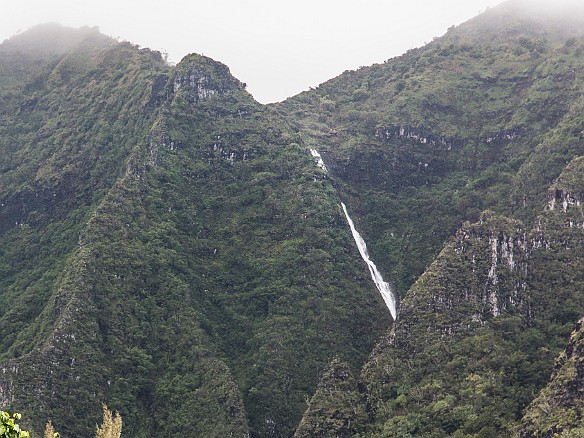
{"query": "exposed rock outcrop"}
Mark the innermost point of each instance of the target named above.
(199, 79)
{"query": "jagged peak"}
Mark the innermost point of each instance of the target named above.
(199, 78)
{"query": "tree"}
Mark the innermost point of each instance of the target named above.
(50, 431)
(10, 429)
(111, 426)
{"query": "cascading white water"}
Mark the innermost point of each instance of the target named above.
(318, 159)
(384, 289)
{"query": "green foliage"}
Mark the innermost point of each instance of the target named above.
(500, 118)
(195, 263)
(111, 427)
(557, 410)
(167, 244)
(477, 334)
(9, 428)
(336, 409)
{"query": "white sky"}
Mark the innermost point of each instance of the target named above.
(279, 48)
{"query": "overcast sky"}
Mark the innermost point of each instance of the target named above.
(278, 47)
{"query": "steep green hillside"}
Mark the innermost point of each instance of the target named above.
(557, 410)
(170, 249)
(479, 331)
(336, 408)
(484, 117)
(63, 145)
(558, 407)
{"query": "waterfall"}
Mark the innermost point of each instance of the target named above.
(382, 286)
(318, 159)
(386, 293)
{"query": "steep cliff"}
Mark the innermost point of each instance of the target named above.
(557, 410)
(463, 357)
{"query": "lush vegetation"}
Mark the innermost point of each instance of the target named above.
(557, 410)
(180, 251)
(479, 333)
(168, 245)
(486, 117)
(9, 428)
(336, 409)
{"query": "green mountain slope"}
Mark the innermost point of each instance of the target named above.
(558, 407)
(336, 409)
(557, 410)
(479, 331)
(485, 117)
(169, 249)
(481, 328)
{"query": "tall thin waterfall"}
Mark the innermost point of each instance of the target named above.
(386, 293)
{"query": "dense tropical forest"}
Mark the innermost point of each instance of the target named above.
(177, 251)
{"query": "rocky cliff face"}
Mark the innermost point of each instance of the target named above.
(438, 370)
(557, 410)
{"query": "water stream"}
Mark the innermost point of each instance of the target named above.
(383, 287)
(318, 159)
